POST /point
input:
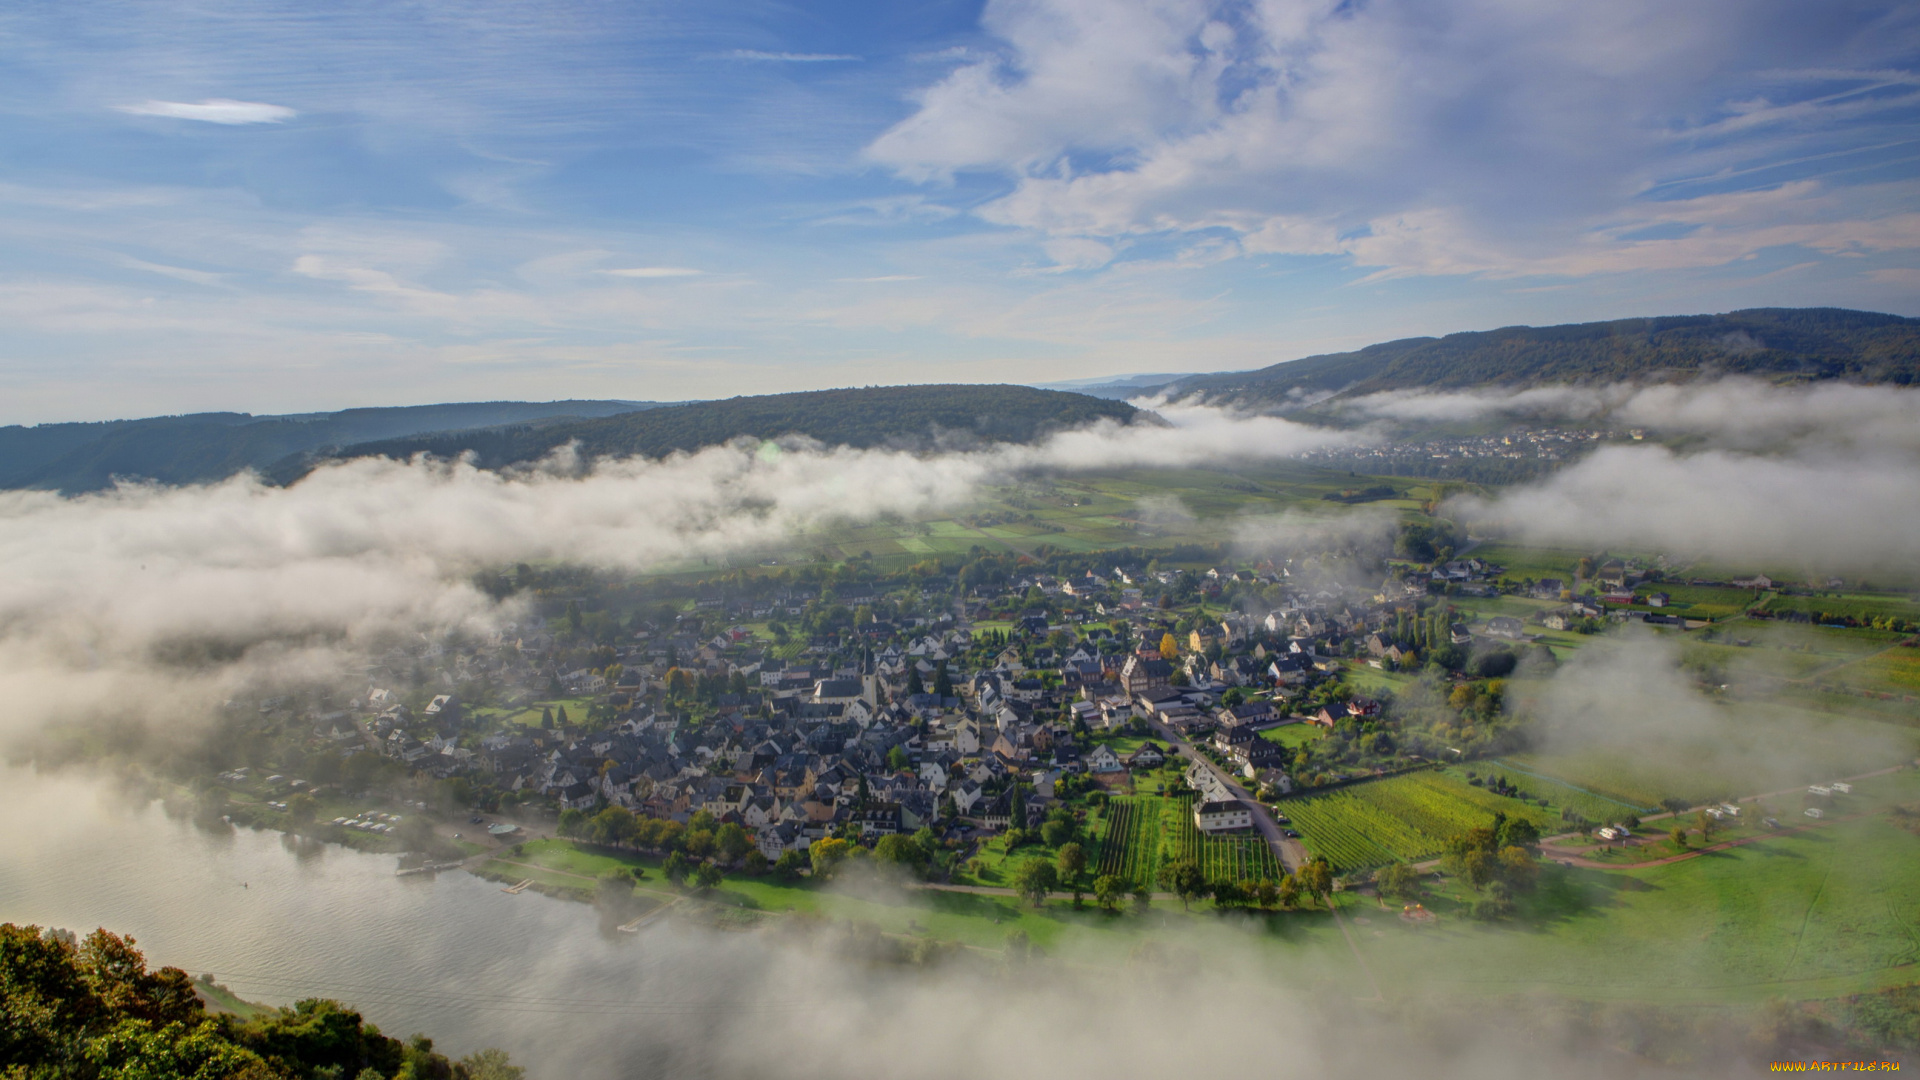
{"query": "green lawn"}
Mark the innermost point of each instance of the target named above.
(1816, 914)
(1293, 736)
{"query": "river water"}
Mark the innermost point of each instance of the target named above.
(450, 955)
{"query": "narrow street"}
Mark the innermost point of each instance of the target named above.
(1291, 853)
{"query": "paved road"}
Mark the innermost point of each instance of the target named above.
(1291, 853)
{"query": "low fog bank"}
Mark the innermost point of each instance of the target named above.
(163, 601)
(1733, 412)
(1636, 702)
(804, 998)
(1811, 510)
(1824, 477)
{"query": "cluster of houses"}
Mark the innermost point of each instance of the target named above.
(849, 729)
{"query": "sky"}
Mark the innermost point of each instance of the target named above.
(284, 207)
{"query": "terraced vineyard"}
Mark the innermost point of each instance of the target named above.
(1401, 818)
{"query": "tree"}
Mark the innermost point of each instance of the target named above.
(300, 809)
(1316, 877)
(828, 854)
(1019, 807)
(491, 1065)
(1185, 878)
(614, 825)
(1142, 899)
(1264, 894)
(943, 682)
(1169, 648)
(1398, 881)
(900, 851)
(1289, 891)
(1056, 832)
(731, 841)
(1518, 868)
(1679, 837)
(1108, 891)
(1072, 862)
(897, 759)
(1034, 879)
(708, 876)
(560, 715)
(788, 865)
(572, 821)
(675, 868)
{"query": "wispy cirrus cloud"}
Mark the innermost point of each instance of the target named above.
(764, 57)
(214, 111)
(654, 272)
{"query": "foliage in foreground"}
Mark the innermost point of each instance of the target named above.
(91, 1009)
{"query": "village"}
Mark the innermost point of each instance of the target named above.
(969, 705)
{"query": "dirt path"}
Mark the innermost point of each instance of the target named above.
(1836, 666)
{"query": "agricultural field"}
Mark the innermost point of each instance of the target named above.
(1558, 793)
(1895, 671)
(1821, 913)
(1702, 601)
(1531, 562)
(1864, 607)
(1143, 834)
(1130, 845)
(1398, 819)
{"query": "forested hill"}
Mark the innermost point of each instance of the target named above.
(908, 416)
(1794, 343)
(213, 446)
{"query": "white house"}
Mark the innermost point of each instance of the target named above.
(1222, 815)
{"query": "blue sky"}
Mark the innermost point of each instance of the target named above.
(286, 207)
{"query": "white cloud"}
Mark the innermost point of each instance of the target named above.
(1498, 140)
(654, 272)
(214, 111)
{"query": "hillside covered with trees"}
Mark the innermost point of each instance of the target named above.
(213, 446)
(910, 416)
(91, 1009)
(1773, 343)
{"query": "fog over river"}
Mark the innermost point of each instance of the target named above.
(456, 958)
(449, 955)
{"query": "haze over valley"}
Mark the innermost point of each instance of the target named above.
(954, 540)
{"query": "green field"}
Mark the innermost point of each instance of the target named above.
(1398, 819)
(1144, 833)
(1292, 736)
(1591, 805)
(1735, 748)
(1823, 913)
(1861, 606)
